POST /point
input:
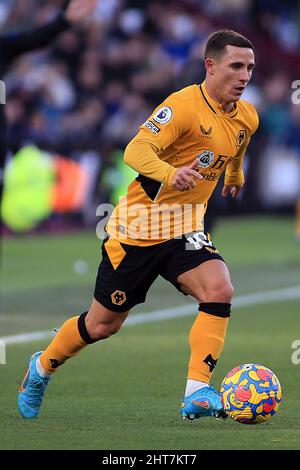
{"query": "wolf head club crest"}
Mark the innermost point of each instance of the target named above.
(241, 137)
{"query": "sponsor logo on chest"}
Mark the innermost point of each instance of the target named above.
(206, 133)
(205, 158)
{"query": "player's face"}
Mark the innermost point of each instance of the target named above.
(232, 73)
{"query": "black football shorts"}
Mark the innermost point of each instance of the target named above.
(126, 272)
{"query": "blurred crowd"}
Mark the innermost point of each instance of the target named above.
(97, 83)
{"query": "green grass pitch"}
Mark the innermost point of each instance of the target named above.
(125, 392)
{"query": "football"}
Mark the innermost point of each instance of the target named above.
(250, 394)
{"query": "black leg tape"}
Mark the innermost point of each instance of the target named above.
(215, 308)
(83, 331)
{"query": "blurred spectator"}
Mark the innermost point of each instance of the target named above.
(124, 124)
(12, 45)
(275, 118)
(132, 50)
(95, 87)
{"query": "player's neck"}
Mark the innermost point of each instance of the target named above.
(226, 107)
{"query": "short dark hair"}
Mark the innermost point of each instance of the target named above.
(216, 42)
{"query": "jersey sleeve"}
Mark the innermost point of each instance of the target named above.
(165, 125)
(141, 155)
(168, 122)
(234, 175)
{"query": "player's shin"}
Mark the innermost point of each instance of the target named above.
(207, 339)
(69, 341)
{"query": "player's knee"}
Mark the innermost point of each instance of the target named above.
(219, 292)
(104, 331)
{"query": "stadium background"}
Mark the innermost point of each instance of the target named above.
(71, 110)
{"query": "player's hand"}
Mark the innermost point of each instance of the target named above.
(184, 178)
(78, 10)
(234, 191)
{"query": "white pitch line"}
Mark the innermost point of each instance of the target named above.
(288, 293)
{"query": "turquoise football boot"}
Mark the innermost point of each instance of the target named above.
(32, 390)
(203, 402)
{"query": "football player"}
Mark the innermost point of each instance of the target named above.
(180, 153)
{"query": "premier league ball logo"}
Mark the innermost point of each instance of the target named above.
(163, 115)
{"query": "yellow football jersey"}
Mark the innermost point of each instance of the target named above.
(189, 124)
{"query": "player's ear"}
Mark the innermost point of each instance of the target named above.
(210, 65)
